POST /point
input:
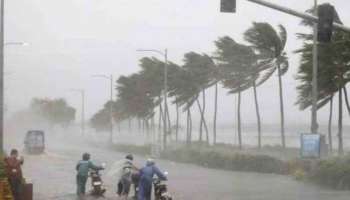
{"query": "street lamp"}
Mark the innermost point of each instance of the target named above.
(165, 54)
(82, 93)
(110, 78)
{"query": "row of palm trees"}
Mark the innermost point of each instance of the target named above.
(237, 67)
(333, 76)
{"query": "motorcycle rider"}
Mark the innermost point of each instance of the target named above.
(125, 180)
(14, 172)
(146, 179)
(83, 168)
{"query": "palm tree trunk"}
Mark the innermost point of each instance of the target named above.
(346, 99)
(160, 122)
(340, 123)
(169, 121)
(204, 123)
(239, 129)
(188, 127)
(281, 106)
(201, 125)
(215, 113)
(177, 122)
(257, 114)
(330, 141)
(203, 119)
(190, 135)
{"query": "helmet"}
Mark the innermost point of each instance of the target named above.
(86, 156)
(129, 157)
(150, 161)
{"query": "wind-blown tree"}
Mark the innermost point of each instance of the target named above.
(152, 72)
(134, 94)
(333, 75)
(186, 92)
(55, 111)
(236, 63)
(270, 43)
(174, 83)
(100, 121)
(202, 68)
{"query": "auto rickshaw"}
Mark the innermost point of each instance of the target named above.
(34, 142)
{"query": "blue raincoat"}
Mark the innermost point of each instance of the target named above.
(146, 179)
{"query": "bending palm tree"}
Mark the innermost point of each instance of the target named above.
(271, 43)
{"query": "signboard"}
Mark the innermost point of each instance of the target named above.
(310, 145)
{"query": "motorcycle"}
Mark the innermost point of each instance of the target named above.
(161, 189)
(98, 189)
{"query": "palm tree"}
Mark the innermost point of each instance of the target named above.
(184, 90)
(202, 68)
(271, 43)
(333, 75)
(236, 63)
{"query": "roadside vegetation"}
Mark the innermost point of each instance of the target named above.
(2, 167)
(331, 172)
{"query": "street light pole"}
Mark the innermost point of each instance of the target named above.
(314, 125)
(110, 78)
(2, 4)
(165, 97)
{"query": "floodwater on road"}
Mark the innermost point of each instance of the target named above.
(53, 175)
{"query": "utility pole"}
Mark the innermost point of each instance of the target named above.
(314, 125)
(165, 98)
(2, 4)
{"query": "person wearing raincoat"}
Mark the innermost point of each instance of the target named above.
(146, 179)
(125, 179)
(83, 168)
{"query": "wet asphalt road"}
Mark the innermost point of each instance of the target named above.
(53, 175)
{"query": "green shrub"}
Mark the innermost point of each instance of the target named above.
(2, 167)
(334, 172)
(228, 161)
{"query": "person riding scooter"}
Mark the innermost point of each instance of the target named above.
(146, 179)
(83, 168)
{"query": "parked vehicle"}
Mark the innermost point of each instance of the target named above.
(34, 142)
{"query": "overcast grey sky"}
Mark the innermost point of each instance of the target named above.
(72, 39)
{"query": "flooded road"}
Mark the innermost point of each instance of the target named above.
(53, 175)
